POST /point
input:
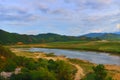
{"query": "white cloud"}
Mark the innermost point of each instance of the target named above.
(97, 30)
(118, 26)
(105, 1)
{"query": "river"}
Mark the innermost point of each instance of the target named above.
(94, 57)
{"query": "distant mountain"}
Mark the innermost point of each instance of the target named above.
(116, 32)
(13, 38)
(94, 35)
(104, 36)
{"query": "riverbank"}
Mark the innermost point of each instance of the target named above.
(113, 70)
(98, 46)
(94, 57)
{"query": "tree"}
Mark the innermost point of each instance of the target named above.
(52, 65)
(42, 74)
(2, 78)
(64, 71)
(100, 72)
(10, 66)
(21, 76)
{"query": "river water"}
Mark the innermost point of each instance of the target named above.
(94, 57)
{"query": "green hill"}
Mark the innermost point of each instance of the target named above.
(9, 38)
(13, 38)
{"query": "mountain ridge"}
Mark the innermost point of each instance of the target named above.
(105, 36)
(13, 38)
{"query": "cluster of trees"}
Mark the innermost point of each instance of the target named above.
(31, 69)
(6, 52)
(45, 70)
(100, 73)
(6, 59)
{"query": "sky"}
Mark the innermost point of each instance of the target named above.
(66, 17)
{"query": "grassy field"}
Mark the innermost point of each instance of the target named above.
(100, 46)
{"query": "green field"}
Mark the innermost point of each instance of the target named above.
(99, 46)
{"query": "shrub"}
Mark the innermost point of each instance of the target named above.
(100, 72)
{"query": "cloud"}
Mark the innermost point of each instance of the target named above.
(97, 30)
(15, 14)
(43, 7)
(15, 17)
(91, 1)
(18, 24)
(105, 1)
(118, 26)
(60, 12)
(94, 4)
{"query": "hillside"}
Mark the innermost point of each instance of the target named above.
(110, 36)
(6, 59)
(6, 53)
(13, 38)
(7, 38)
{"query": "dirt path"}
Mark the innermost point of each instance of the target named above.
(79, 72)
